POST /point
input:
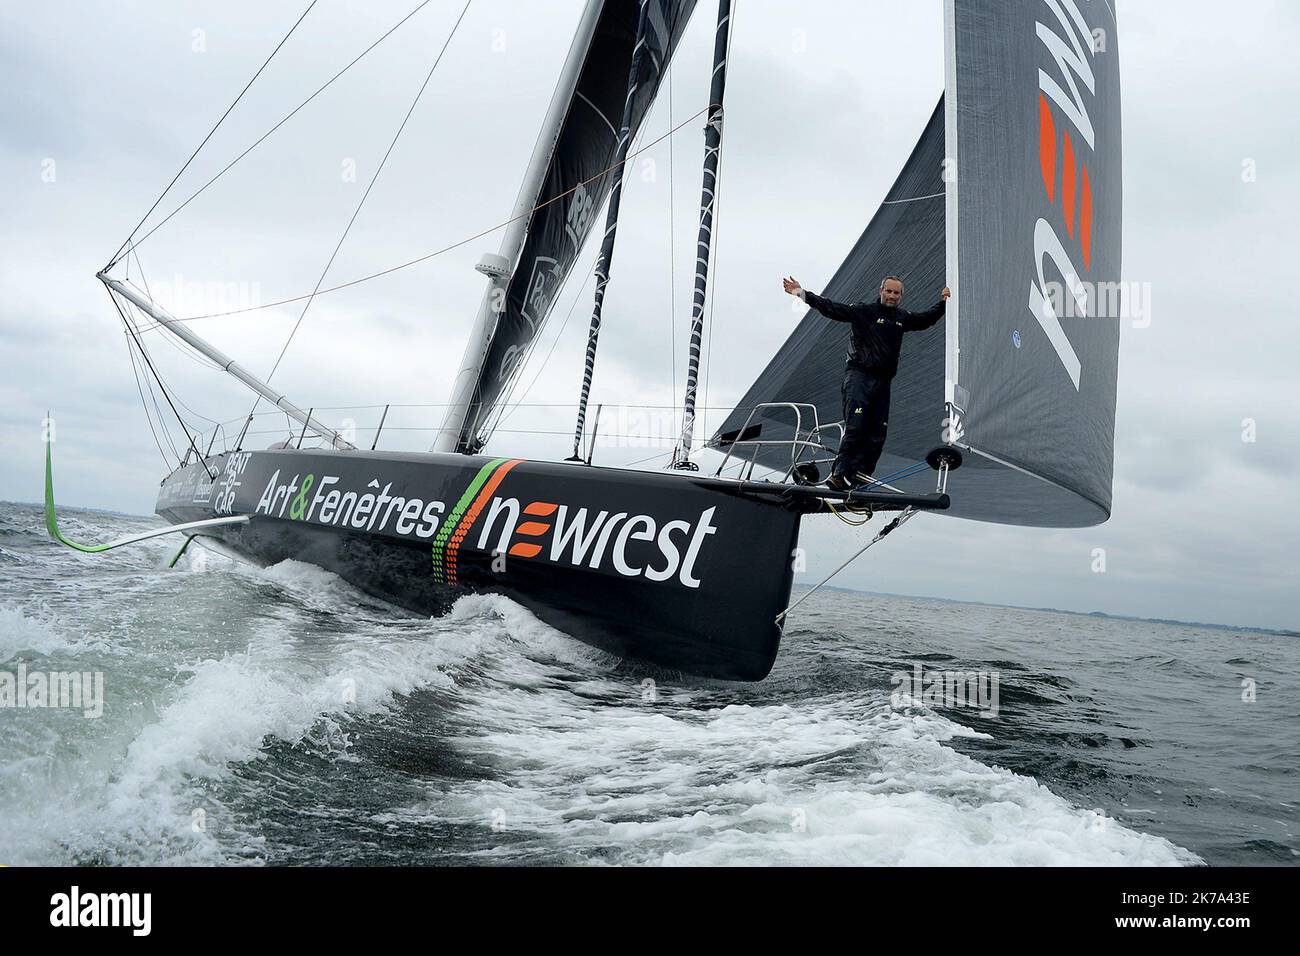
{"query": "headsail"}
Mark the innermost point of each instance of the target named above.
(905, 237)
(1030, 129)
(578, 174)
(1038, 222)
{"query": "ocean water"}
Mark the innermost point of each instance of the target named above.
(278, 716)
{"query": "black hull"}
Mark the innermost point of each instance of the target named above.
(680, 571)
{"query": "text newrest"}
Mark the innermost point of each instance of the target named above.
(578, 537)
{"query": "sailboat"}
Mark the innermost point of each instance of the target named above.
(1003, 413)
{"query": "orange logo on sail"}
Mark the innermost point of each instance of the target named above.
(1070, 179)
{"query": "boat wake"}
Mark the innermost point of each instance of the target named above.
(279, 715)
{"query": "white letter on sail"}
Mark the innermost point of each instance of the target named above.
(1047, 243)
(1069, 63)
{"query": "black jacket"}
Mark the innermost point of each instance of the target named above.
(877, 330)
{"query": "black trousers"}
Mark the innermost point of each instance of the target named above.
(866, 419)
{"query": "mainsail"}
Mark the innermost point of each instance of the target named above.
(1012, 197)
(578, 178)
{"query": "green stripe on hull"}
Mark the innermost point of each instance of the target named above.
(453, 519)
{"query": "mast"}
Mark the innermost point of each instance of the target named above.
(703, 245)
(500, 267)
(178, 329)
(611, 229)
(954, 400)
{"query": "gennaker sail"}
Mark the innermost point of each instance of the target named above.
(1012, 196)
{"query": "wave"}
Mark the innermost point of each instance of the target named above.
(575, 756)
(21, 634)
(601, 772)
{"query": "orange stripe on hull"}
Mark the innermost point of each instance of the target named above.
(472, 514)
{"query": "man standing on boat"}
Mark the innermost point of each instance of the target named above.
(877, 338)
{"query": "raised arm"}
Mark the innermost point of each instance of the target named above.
(839, 311)
(917, 321)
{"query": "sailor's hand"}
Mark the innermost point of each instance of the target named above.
(791, 285)
(946, 292)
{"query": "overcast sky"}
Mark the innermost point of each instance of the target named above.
(104, 101)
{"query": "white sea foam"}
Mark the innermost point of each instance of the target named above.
(582, 764)
(301, 575)
(836, 781)
(19, 632)
(497, 618)
(142, 806)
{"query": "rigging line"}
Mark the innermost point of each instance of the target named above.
(374, 179)
(147, 323)
(161, 417)
(717, 250)
(504, 416)
(131, 310)
(193, 356)
(286, 119)
(609, 239)
(127, 336)
(190, 354)
(335, 408)
(907, 472)
(143, 404)
(162, 422)
(713, 298)
(642, 461)
(366, 195)
(117, 255)
(506, 431)
(906, 514)
(519, 369)
(145, 356)
(672, 251)
(713, 134)
(140, 266)
(444, 249)
(154, 398)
